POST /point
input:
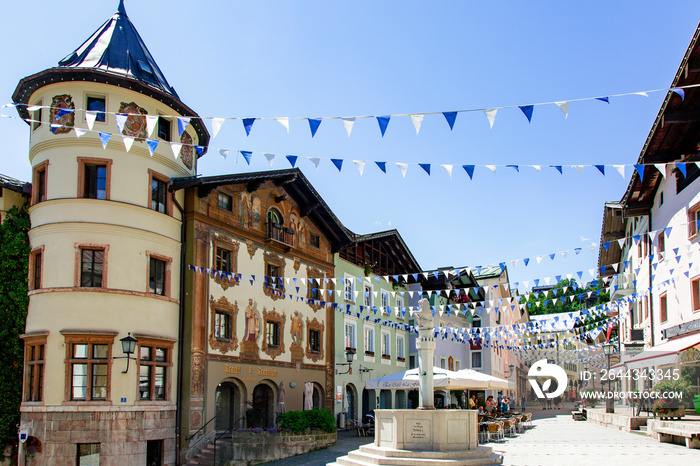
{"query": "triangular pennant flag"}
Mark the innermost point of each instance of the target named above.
(315, 161)
(537, 167)
(601, 169)
(121, 120)
(448, 169)
(248, 125)
(661, 168)
(314, 123)
(417, 120)
(348, 122)
(579, 168)
(90, 117)
(640, 171)
(104, 137)
(128, 142)
(426, 167)
(79, 132)
(558, 168)
(620, 169)
(403, 167)
(182, 123)
(360, 166)
(527, 110)
(292, 160)
(200, 150)
(682, 168)
(492, 168)
(470, 170)
(668, 231)
(516, 167)
(338, 163)
(216, 124)
(680, 92)
(603, 99)
(450, 117)
(606, 245)
(152, 144)
(491, 115)
(223, 153)
(564, 107)
(270, 157)
(383, 123)
(151, 123)
(284, 121)
(382, 166)
(175, 147)
(246, 155)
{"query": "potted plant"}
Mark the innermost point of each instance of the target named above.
(666, 406)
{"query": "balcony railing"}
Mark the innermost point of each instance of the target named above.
(280, 234)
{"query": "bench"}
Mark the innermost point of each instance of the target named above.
(579, 415)
(667, 434)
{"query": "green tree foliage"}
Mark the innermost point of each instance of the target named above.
(14, 263)
(569, 295)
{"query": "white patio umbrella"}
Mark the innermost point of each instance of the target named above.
(443, 379)
(480, 381)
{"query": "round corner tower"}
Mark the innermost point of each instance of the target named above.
(106, 138)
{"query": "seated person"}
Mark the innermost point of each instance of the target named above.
(490, 404)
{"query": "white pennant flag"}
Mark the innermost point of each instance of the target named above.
(216, 126)
(579, 168)
(620, 169)
(151, 123)
(564, 107)
(284, 121)
(121, 119)
(90, 117)
(539, 259)
(417, 120)
(315, 161)
(491, 115)
(270, 157)
(348, 122)
(223, 153)
(448, 169)
(403, 167)
(643, 94)
(563, 254)
(33, 108)
(661, 167)
(491, 167)
(128, 142)
(537, 167)
(79, 132)
(175, 146)
(360, 166)
(621, 242)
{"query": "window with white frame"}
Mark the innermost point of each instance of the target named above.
(349, 288)
(400, 348)
(385, 300)
(399, 306)
(458, 365)
(443, 363)
(369, 340)
(367, 289)
(350, 332)
(386, 345)
(476, 360)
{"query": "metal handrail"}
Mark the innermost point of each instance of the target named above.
(198, 430)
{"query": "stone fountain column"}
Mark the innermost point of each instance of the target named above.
(425, 344)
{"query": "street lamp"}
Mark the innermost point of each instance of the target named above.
(128, 347)
(349, 354)
(510, 370)
(608, 348)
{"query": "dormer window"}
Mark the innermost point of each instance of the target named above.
(164, 132)
(99, 105)
(145, 67)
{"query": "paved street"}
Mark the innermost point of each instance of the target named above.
(555, 440)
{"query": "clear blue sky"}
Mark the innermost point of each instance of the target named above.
(318, 58)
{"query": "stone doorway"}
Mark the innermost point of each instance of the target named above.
(228, 406)
(263, 413)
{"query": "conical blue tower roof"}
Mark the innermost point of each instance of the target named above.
(117, 47)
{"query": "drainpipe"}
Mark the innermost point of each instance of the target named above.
(180, 331)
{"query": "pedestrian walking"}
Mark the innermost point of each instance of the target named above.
(523, 402)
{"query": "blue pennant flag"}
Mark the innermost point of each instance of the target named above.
(682, 168)
(516, 167)
(668, 231)
(200, 150)
(527, 110)
(601, 169)
(246, 155)
(606, 245)
(383, 123)
(551, 256)
(182, 123)
(426, 167)
(450, 117)
(152, 144)
(104, 137)
(292, 160)
(503, 266)
(640, 171)
(636, 238)
(577, 251)
(64, 111)
(526, 261)
(337, 162)
(470, 170)
(603, 99)
(314, 123)
(382, 166)
(248, 125)
(680, 92)
(558, 168)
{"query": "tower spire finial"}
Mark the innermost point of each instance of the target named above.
(121, 9)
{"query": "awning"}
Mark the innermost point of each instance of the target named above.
(665, 353)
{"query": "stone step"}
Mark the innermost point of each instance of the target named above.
(357, 458)
(479, 452)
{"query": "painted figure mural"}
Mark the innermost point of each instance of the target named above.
(252, 322)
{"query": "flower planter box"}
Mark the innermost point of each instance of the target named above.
(671, 413)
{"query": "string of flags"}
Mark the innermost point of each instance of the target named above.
(382, 121)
